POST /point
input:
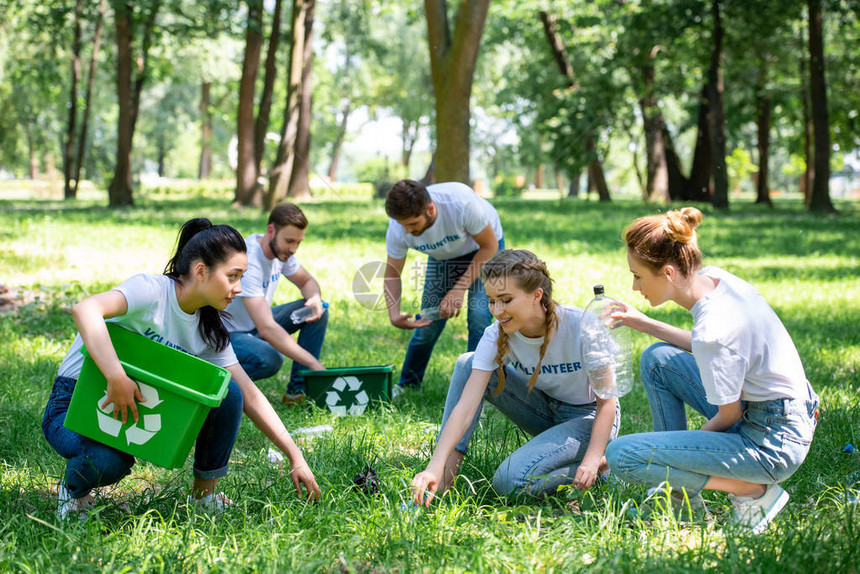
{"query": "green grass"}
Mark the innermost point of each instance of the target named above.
(807, 266)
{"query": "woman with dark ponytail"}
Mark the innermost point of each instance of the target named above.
(738, 367)
(182, 308)
(528, 364)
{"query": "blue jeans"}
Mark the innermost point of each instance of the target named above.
(92, 464)
(441, 276)
(765, 447)
(260, 360)
(560, 431)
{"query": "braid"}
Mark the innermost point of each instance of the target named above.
(502, 347)
(551, 326)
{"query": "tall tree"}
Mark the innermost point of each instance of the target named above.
(716, 115)
(452, 64)
(88, 97)
(69, 144)
(299, 185)
(261, 125)
(246, 171)
(820, 198)
(595, 168)
(128, 94)
(300, 38)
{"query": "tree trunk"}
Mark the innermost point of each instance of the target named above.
(299, 185)
(338, 142)
(85, 121)
(205, 168)
(808, 136)
(120, 191)
(763, 109)
(678, 182)
(261, 126)
(162, 153)
(595, 168)
(128, 95)
(820, 199)
(279, 175)
(573, 188)
(430, 175)
(246, 171)
(643, 184)
(33, 161)
(69, 144)
(716, 116)
(697, 186)
(657, 172)
(409, 135)
(452, 67)
(559, 180)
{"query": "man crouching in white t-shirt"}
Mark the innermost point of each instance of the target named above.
(260, 333)
(458, 231)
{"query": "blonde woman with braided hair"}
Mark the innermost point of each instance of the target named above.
(528, 364)
(738, 367)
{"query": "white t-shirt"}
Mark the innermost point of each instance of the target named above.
(562, 375)
(741, 347)
(460, 214)
(154, 312)
(260, 280)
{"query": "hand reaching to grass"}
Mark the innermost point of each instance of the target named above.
(424, 487)
(302, 476)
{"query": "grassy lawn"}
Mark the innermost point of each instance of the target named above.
(53, 253)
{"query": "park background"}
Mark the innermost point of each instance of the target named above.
(745, 109)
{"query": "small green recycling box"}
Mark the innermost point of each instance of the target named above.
(179, 389)
(349, 390)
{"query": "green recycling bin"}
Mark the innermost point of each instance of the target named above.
(349, 390)
(179, 388)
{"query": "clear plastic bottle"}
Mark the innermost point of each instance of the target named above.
(302, 314)
(428, 314)
(606, 352)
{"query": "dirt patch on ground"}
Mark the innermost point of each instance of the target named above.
(12, 298)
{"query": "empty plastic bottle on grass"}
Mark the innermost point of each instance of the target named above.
(606, 352)
(302, 314)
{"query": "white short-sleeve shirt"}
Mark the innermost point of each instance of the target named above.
(562, 375)
(742, 349)
(460, 214)
(260, 280)
(154, 312)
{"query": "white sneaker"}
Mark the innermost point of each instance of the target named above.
(756, 513)
(211, 503)
(397, 391)
(68, 506)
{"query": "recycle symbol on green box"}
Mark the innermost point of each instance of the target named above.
(135, 434)
(335, 399)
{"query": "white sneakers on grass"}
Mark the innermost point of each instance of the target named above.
(756, 513)
(68, 507)
(211, 503)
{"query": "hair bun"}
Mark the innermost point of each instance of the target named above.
(681, 224)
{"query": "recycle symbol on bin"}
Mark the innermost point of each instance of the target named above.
(335, 397)
(135, 434)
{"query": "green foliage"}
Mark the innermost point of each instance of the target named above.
(806, 266)
(508, 186)
(381, 172)
(741, 167)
